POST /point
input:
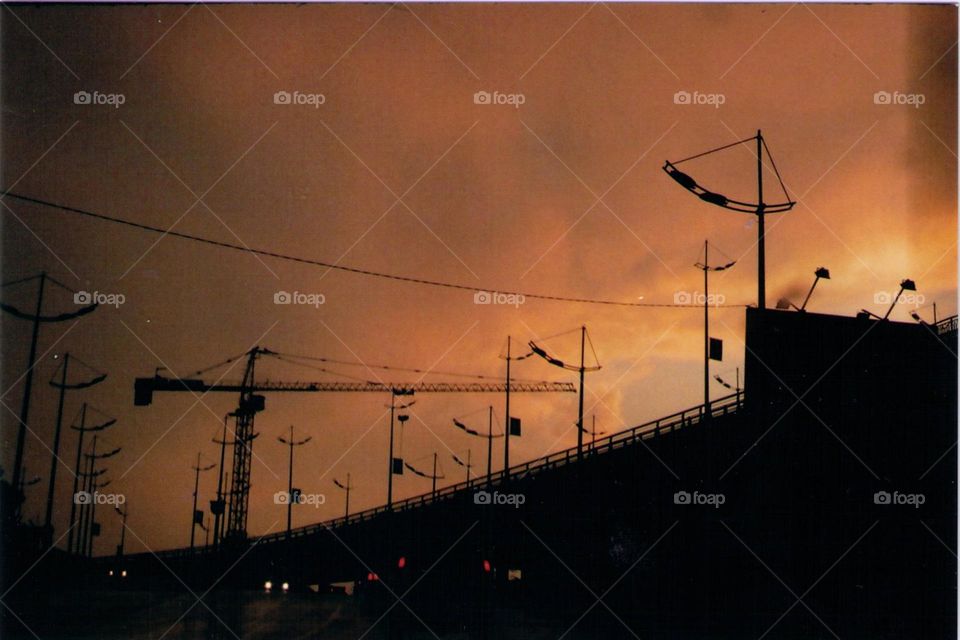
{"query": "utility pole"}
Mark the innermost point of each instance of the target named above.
(78, 473)
(196, 488)
(54, 458)
(123, 529)
(291, 443)
(706, 329)
(88, 514)
(583, 346)
(706, 268)
(761, 251)
(489, 447)
(393, 407)
(219, 505)
(346, 511)
(506, 426)
(37, 317)
(433, 490)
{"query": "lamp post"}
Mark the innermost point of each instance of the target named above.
(390, 463)
(123, 528)
(291, 443)
(54, 454)
(346, 488)
(706, 268)
(196, 488)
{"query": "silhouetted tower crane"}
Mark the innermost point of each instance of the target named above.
(252, 403)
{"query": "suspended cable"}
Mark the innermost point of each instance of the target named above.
(706, 153)
(340, 267)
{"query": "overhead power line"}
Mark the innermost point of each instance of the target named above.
(340, 267)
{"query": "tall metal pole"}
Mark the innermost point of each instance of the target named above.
(706, 332)
(290, 487)
(433, 490)
(196, 490)
(218, 517)
(393, 407)
(583, 341)
(761, 251)
(25, 405)
(506, 428)
(89, 489)
(489, 446)
(291, 443)
(468, 466)
(347, 510)
(48, 519)
(76, 477)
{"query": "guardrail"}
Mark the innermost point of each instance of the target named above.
(653, 429)
(946, 325)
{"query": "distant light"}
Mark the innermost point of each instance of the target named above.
(402, 562)
(267, 586)
(285, 586)
(372, 577)
(110, 573)
(123, 574)
(486, 566)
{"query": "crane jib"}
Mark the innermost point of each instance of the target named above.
(145, 387)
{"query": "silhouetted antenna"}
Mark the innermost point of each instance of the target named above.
(758, 208)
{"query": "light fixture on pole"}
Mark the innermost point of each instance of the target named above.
(196, 517)
(712, 348)
(395, 466)
(582, 369)
(345, 487)
(759, 208)
(290, 442)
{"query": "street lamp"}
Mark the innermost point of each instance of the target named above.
(290, 442)
(197, 516)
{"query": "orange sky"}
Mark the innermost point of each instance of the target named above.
(562, 195)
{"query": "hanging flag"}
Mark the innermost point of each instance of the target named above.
(198, 517)
(716, 349)
(514, 426)
(398, 466)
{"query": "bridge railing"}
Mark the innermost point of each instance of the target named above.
(652, 429)
(666, 424)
